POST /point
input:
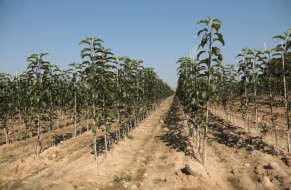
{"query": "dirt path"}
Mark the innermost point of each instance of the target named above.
(152, 157)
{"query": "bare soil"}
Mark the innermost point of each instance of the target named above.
(152, 157)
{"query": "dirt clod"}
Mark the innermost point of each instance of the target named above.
(266, 183)
(273, 165)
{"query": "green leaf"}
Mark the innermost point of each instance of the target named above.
(200, 53)
(219, 38)
(203, 30)
(216, 51)
(220, 58)
(216, 26)
(213, 87)
(84, 42)
(279, 37)
(204, 94)
(217, 20)
(203, 41)
(202, 21)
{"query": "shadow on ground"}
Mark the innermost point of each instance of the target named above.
(234, 136)
(176, 137)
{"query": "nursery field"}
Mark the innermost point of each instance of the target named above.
(153, 156)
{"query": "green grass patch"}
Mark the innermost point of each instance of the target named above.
(141, 171)
(6, 157)
(130, 137)
(122, 176)
(35, 187)
(163, 157)
(22, 135)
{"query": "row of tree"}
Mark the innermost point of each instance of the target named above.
(205, 83)
(104, 89)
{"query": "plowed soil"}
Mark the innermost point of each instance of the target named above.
(152, 157)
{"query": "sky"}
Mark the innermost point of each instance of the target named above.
(158, 32)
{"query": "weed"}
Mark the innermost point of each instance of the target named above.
(36, 187)
(22, 135)
(141, 171)
(121, 176)
(130, 137)
(5, 158)
(263, 128)
(163, 157)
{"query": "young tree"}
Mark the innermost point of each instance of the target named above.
(244, 64)
(7, 109)
(38, 70)
(211, 61)
(283, 49)
(268, 69)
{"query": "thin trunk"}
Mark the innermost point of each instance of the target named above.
(30, 126)
(51, 113)
(255, 101)
(118, 125)
(38, 144)
(105, 124)
(286, 105)
(288, 140)
(57, 122)
(194, 138)
(200, 143)
(87, 123)
(119, 134)
(205, 138)
(242, 113)
(51, 119)
(65, 119)
(94, 136)
(14, 125)
(204, 147)
(75, 112)
(6, 134)
(247, 107)
(232, 108)
(57, 114)
(95, 150)
(105, 142)
(232, 113)
(62, 116)
(271, 108)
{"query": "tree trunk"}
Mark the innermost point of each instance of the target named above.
(57, 122)
(247, 109)
(200, 142)
(30, 126)
(87, 123)
(75, 113)
(38, 144)
(65, 119)
(256, 108)
(194, 138)
(6, 134)
(204, 147)
(95, 149)
(271, 109)
(117, 128)
(288, 140)
(50, 116)
(62, 116)
(285, 82)
(105, 142)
